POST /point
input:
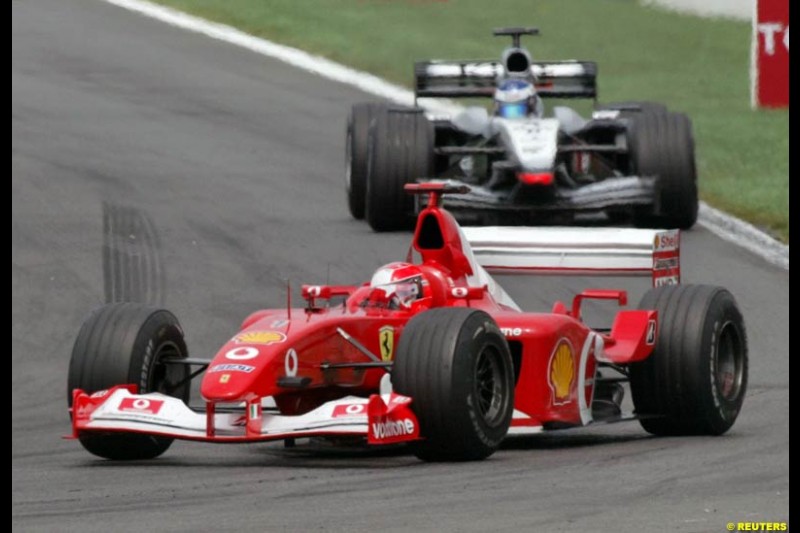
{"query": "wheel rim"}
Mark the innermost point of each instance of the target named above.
(163, 378)
(729, 362)
(490, 386)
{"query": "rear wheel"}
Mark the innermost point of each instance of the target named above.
(356, 155)
(456, 366)
(400, 151)
(695, 380)
(126, 343)
(661, 145)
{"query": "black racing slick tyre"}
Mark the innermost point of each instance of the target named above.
(355, 177)
(695, 380)
(125, 343)
(662, 145)
(400, 151)
(456, 366)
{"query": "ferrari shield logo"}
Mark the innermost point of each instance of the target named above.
(386, 341)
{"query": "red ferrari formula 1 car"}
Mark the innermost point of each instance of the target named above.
(435, 353)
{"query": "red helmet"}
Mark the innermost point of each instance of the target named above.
(401, 284)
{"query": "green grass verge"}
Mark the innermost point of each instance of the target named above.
(699, 66)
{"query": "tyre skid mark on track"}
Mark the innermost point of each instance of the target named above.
(132, 266)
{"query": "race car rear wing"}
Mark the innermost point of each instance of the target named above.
(584, 251)
(457, 79)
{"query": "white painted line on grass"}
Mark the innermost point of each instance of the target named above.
(725, 226)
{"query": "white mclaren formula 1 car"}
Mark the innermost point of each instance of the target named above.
(629, 160)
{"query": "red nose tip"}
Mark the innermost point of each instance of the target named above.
(535, 178)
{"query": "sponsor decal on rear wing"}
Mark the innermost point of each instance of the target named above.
(584, 251)
(456, 79)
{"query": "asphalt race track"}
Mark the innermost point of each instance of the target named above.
(154, 164)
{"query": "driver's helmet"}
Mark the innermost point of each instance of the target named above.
(399, 284)
(515, 98)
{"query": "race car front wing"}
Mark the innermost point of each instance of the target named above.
(625, 191)
(382, 419)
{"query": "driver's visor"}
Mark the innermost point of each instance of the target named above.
(406, 292)
(401, 293)
(513, 110)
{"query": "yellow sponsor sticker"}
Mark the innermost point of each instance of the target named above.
(259, 337)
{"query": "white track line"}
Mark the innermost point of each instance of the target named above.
(725, 226)
(744, 234)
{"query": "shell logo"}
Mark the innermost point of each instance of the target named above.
(259, 337)
(562, 372)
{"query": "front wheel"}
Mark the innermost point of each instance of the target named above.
(456, 366)
(126, 343)
(400, 151)
(662, 145)
(694, 382)
(355, 177)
